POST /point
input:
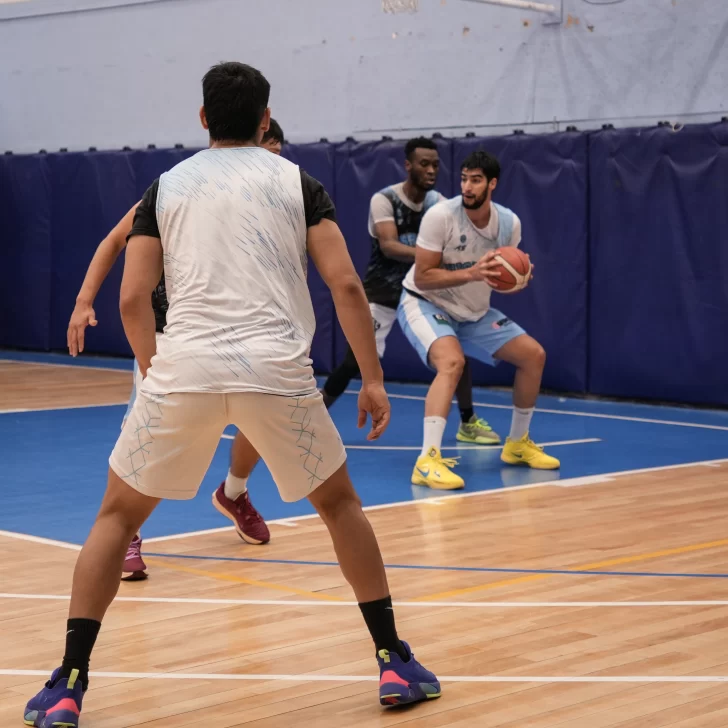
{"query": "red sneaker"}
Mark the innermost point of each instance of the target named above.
(248, 522)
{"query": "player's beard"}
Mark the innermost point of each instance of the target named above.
(423, 183)
(477, 203)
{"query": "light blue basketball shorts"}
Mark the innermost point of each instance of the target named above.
(424, 323)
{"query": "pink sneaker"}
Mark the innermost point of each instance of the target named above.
(248, 522)
(134, 567)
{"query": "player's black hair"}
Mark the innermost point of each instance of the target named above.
(418, 143)
(274, 132)
(235, 97)
(480, 159)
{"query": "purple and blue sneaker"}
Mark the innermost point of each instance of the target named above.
(58, 706)
(401, 682)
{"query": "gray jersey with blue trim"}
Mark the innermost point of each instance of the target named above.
(447, 229)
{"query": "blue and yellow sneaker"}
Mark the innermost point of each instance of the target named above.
(401, 683)
(526, 452)
(477, 431)
(58, 706)
(433, 470)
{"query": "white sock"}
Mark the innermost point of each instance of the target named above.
(521, 422)
(235, 487)
(434, 430)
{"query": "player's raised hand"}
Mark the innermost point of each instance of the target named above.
(486, 268)
(373, 401)
(83, 315)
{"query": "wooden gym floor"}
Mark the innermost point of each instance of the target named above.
(589, 601)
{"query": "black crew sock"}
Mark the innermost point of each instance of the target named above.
(81, 636)
(466, 415)
(379, 617)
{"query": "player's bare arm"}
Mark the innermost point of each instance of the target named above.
(104, 258)
(327, 248)
(429, 275)
(142, 270)
(389, 244)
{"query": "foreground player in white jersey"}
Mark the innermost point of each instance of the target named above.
(446, 315)
(232, 227)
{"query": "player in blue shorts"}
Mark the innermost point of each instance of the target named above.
(395, 214)
(446, 315)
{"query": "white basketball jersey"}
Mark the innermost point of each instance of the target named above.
(240, 318)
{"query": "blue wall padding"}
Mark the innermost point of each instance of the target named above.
(658, 275)
(627, 229)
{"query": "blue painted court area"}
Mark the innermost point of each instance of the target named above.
(55, 462)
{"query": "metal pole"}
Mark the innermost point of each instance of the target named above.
(521, 4)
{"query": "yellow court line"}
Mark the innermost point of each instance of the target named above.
(242, 580)
(654, 555)
(585, 567)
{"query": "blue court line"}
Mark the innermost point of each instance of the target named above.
(425, 567)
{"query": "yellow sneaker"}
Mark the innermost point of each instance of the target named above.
(526, 452)
(433, 470)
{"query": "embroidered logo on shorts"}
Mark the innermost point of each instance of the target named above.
(500, 324)
(377, 325)
(440, 318)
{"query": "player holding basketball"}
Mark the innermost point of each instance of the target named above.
(446, 315)
(231, 498)
(395, 214)
(232, 228)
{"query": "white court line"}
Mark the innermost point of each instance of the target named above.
(38, 539)
(566, 482)
(597, 415)
(375, 678)
(472, 448)
(398, 604)
(456, 447)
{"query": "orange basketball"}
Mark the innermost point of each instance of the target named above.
(515, 269)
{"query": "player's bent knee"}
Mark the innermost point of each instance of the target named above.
(523, 352)
(446, 357)
(537, 354)
(335, 493)
(451, 365)
(126, 504)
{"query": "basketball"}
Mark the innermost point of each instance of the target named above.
(515, 270)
